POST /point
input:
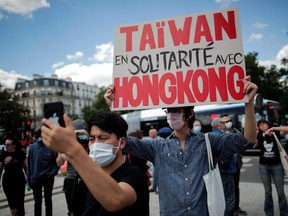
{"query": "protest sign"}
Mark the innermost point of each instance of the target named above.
(188, 60)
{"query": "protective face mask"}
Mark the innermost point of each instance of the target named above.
(175, 120)
(102, 153)
(228, 125)
(197, 128)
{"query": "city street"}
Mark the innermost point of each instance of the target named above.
(251, 194)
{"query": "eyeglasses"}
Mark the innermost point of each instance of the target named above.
(83, 137)
(172, 110)
(7, 145)
(227, 121)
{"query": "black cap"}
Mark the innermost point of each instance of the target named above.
(262, 121)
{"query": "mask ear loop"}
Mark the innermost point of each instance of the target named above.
(118, 147)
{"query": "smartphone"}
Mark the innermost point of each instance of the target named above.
(54, 112)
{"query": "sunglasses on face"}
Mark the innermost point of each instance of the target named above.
(173, 110)
(227, 121)
(7, 145)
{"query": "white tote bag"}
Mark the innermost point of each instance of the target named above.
(283, 155)
(214, 187)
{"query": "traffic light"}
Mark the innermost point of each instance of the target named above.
(28, 125)
(286, 116)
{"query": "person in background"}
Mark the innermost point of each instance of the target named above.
(153, 134)
(181, 159)
(74, 188)
(197, 126)
(115, 186)
(13, 161)
(227, 167)
(164, 132)
(270, 167)
(239, 162)
(139, 162)
(41, 172)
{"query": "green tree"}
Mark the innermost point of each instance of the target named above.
(272, 82)
(13, 115)
(98, 106)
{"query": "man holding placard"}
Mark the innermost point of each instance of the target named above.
(176, 64)
(181, 158)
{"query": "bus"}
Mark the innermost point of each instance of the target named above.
(144, 120)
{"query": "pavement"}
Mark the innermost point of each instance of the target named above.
(251, 200)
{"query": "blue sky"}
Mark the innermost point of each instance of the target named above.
(74, 38)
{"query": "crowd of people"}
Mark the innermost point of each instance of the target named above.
(107, 168)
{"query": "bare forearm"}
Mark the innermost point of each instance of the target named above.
(281, 128)
(250, 123)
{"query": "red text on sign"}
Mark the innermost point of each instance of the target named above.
(193, 86)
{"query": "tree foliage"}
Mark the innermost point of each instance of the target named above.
(12, 114)
(98, 106)
(272, 82)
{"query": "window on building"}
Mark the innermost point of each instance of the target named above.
(59, 92)
(25, 94)
(18, 86)
(56, 83)
(46, 82)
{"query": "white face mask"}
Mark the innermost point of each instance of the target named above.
(102, 153)
(175, 120)
(197, 128)
(228, 125)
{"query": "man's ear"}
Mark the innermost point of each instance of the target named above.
(122, 143)
(192, 113)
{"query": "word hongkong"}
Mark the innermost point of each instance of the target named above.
(175, 87)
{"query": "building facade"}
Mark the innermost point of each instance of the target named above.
(33, 94)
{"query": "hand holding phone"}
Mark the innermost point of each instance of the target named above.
(54, 111)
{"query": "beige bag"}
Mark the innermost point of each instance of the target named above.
(283, 155)
(214, 187)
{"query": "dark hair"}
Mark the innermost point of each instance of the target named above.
(136, 134)
(109, 122)
(15, 142)
(187, 113)
(224, 115)
(37, 132)
(262, 121)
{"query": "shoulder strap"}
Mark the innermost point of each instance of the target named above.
(278, 142)
(209, 152)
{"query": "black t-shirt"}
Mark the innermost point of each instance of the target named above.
(13, 165)
(138, 180)
(269, 152)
